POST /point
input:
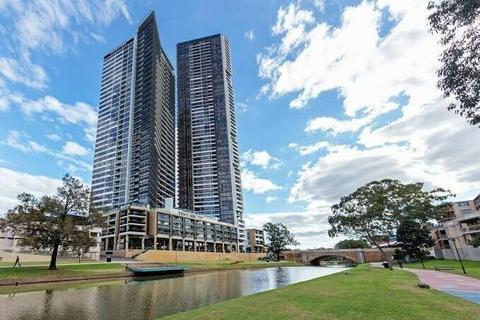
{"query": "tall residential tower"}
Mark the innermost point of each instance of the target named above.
(135, 146)
(208, 157)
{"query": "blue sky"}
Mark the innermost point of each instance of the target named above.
(330, 95)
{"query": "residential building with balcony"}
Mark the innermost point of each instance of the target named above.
(462, 225)
(208, 155)
(134, 159)
(135, 228)
(256, 240)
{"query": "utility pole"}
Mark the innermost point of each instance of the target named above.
(458, 255)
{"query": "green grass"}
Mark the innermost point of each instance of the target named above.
(471, 267)
(37, 263)
(35, 272)
(366, 293)
(84, 269)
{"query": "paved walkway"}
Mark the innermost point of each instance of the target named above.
(461, 286)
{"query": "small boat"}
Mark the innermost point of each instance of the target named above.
(155, 271)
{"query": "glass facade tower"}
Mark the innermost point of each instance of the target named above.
(208, 157)
(134, 158)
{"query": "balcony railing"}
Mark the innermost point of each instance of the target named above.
(473, 227)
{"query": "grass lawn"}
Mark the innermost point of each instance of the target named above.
(471, 267)
(29, 263)
(366, 293)
(63, 270)
(88, 268)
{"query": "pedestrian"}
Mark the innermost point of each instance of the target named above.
(400, 263)
(17, 262)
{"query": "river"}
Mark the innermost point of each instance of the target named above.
(149, 299)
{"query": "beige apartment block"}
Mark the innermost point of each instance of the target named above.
(256, 240)
(462, 226)
(134, 229)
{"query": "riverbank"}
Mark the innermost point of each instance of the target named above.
(471, 267)
(29, 278)
(362, 293)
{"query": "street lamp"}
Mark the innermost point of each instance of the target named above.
(458, 255)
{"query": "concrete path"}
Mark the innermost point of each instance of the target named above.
(461, 286)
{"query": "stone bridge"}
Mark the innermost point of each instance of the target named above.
(314, 256)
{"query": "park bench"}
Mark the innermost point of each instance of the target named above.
(439, 268)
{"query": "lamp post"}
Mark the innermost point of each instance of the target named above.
(458, 255)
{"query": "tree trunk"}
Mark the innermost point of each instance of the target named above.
(384, 256)
(53, 259)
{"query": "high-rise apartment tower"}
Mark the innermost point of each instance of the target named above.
(135, 146)
(208, 157)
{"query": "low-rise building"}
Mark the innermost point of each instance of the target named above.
(135, 228)
(256, 240)
(9, 242)
(461, 227)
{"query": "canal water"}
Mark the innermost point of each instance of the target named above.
(150, 299)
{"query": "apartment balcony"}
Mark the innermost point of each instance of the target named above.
(474, 228)
(470, 216)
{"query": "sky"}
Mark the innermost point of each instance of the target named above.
(330, 95)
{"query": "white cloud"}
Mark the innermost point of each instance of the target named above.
(90, 133)
(309, 227)
(367, 69)
(291, 23)
(242, 107)
(375, 71)
(72, 148)
(53, 137)
(14, 183)
(46, 24)
(335, 126)
(319, 4)
(432, 146)
(270, 199)
(97, 37)
(309, 149)
(257, 185)
(250, 35)
(78, 113)
(261, 158)
(22, 142)
(23, 71)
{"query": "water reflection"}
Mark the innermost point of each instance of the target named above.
(150, 299)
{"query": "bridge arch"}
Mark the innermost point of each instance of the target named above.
(333, 260)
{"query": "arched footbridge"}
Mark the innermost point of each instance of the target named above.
(317, 256)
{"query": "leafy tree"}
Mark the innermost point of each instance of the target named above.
(80, 242)
(278, 238)
(53, 221)
(375, 210)
(414, 237)
(458, 24)
(476, 242)
(352, 244)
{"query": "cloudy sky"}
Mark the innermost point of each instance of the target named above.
(330, 95)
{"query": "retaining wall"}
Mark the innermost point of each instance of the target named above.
(189, 256)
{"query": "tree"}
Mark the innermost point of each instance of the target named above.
(458, 24)
(352, 244)
(374, 211)
(81, 242)
(476, 242)
(53, 221)
(414, 237)
(278, 238)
